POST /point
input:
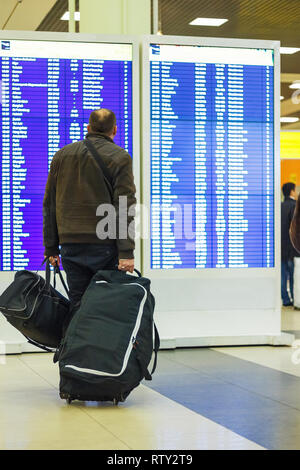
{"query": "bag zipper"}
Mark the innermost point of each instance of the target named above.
(24, 308)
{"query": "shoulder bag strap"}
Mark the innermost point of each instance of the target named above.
(38, 345)
(106, 175)
(147, 375)
(156, 347)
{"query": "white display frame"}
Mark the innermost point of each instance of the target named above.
(210, 42)
(15, 342)
(167, 281)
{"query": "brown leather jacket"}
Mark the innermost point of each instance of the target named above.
(76, 187)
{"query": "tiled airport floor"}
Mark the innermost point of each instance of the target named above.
(201, 398)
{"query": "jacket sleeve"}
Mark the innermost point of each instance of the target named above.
(50, 233)
(124, 202)
(295, 227)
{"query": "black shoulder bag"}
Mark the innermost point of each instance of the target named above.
(36, 308)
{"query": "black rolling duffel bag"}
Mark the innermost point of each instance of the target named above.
(110, 340)
(35, 308)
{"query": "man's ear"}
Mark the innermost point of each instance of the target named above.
(88, 128)
(115, 130)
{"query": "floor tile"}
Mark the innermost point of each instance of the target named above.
(148, 420)
(242, 396)
(198, 399)
(284, 359)
(91, 443)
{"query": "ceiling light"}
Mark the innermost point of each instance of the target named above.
(282, 97)
(289, 119)
(295, 85)
(208, 21)
(289, 50)
(66, 16)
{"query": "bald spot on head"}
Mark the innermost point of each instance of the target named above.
(103, 121)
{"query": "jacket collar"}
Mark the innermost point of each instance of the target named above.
(98, 135)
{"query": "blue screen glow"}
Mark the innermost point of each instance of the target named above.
(48, 90)
(212, 161)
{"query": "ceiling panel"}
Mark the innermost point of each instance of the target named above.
(255, 19)
(261, 19)
(6, 8)
(53, 22)
(23, 15)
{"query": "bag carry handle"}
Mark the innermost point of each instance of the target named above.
(58, 271)
(47, 273)
(135, 270)
(55, 271)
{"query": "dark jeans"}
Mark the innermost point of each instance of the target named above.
(287, 274)
(81, 261)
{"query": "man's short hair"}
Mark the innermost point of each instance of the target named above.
(287, 188)
(102, 120)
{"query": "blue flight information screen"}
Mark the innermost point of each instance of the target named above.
(211, 157)
(47, 92)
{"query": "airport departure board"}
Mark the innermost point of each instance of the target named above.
(47, 92)
(211, 157)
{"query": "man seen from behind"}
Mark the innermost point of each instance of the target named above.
(76, 188)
